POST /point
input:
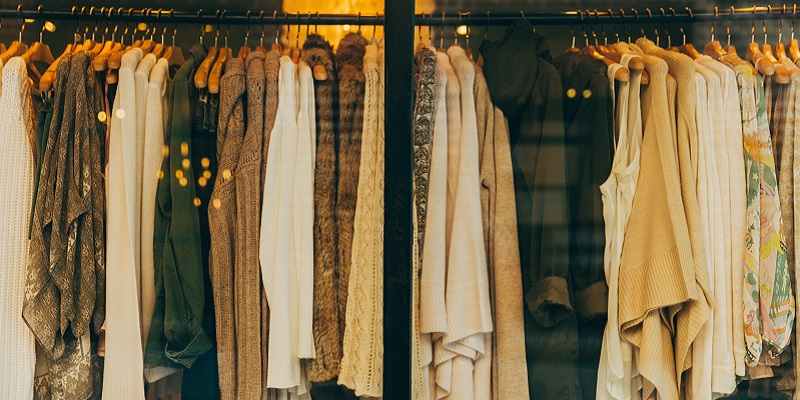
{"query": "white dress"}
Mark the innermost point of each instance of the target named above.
(18, 351)
(617, 375)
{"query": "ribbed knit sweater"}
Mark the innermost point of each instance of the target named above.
(222, 221)
(16, 192)
(654, 254)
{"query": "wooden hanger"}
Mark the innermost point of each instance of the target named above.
(636, 63)
(782, 75)
(46, 82)
(216, 71)
(622, 74)
(201, 76)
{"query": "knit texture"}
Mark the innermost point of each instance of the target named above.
(499, 212)
(16, 192)
(222, 220)
(247, 271)
(362, 349)
(651, 272)
(271, 68)
(349, 62)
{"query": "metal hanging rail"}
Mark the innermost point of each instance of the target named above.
(260, 17)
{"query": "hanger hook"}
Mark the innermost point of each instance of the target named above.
(315, 25)
(794, 12)
(616, 31)
(455, 31)
(441, 35)
(375, 25)
(297, 38)
(202, 26)
(22, 27)
(308, 25)
(488, 22)
(764, 24)
(358, 21)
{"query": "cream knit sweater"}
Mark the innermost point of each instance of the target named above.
(362, 350)
(124, 368)
(16, 192)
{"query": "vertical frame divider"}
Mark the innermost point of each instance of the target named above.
(398, 199)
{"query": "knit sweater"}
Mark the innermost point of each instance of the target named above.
(317, 51)
(123, 375)
(654, 254)
(247, 271)
(362, 348)
(499, 212)
(693, 315)
(349, 62)
(18, 351)
(222, 220)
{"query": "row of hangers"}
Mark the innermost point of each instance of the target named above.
(759, 57)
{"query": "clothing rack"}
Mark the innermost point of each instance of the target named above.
(399, 19)
(260, 17)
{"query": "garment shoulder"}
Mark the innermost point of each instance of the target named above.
(131, 58)
(159, 72)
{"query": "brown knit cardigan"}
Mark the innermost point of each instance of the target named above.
(222, 222)
(349, 63)
(271, 68)
(247, 270)
(327, 342)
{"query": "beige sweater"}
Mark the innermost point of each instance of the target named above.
(655, 254)
(509, 369)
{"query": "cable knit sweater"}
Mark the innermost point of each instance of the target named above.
(222, 220)
(317, 51)
(16, 192)
(362, 349)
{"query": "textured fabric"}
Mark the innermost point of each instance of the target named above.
(659, 248)
(247, 271)
(533, 103)
(280, 247)
(692, 315)
(431, 260)
(16, 192)
(349, 63)
(423, 131)
(271, 71)
(317, 52)
(222, 220)
(65, 294)
(362, 348)
(177, 337)
(509, 370)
